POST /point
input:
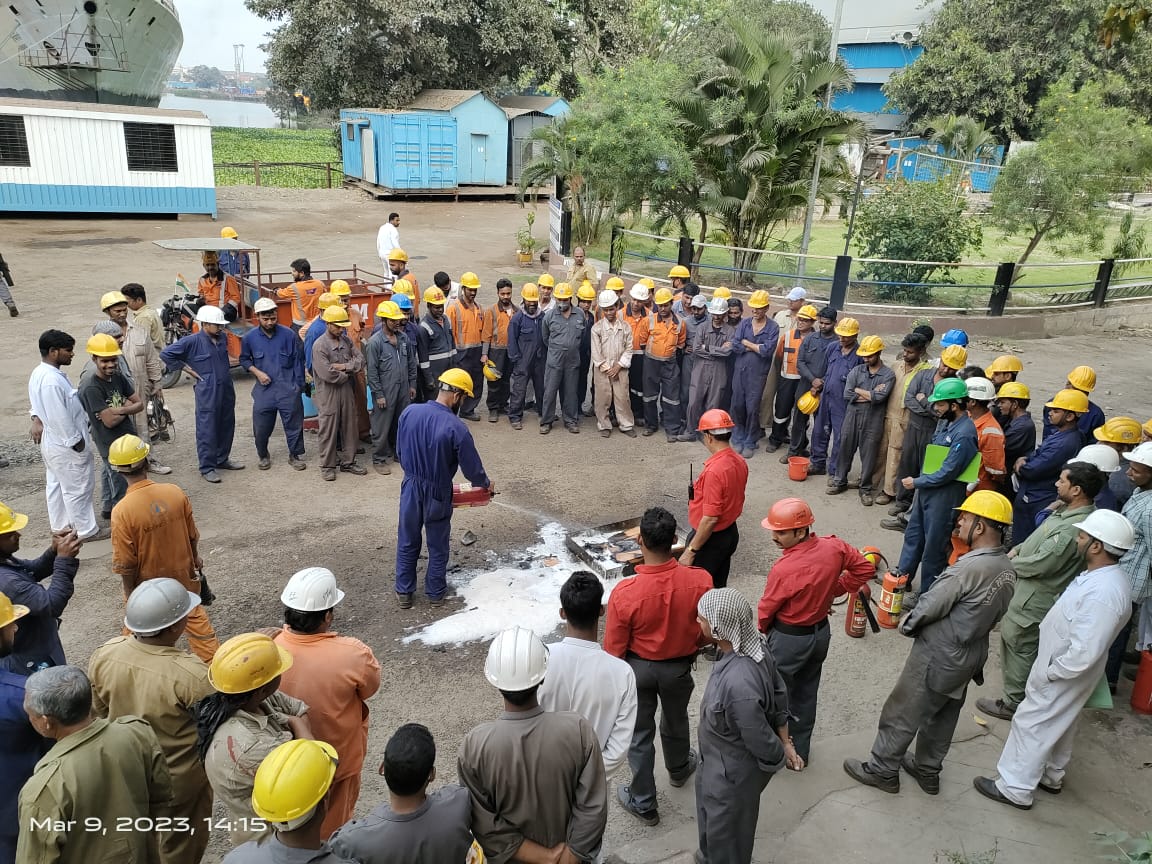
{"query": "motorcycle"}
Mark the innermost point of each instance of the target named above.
(177, 314)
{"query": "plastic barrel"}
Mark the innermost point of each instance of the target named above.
(1142, 689)
(798, 468)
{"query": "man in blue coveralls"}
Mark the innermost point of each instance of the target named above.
(927, 539)
(275, 357)
(1037, 474)
(829, 419)
(433, 442)
(205, 356)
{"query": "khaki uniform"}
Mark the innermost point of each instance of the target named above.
(160, 685)
(612, 346)
(335, 399)
(146, 318)
(887, 471)
(110, 771)
(143, 359)
(236, 751)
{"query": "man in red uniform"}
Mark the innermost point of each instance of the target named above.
(717, 500)
(794, 609)
(652, 625)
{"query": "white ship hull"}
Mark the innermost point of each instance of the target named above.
(111, 51)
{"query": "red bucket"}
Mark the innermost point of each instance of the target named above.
(1142, 689)
(798, 468)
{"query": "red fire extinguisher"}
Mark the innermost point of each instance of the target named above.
(891, 599)
(860, 617)
(467, 495)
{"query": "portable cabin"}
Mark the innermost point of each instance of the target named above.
(411, 151)
(524, 114)
(481, 133)
(70, 157)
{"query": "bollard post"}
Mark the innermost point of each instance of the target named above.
(1103, 280)
(684, 252)
(328, 165)
(841, 273)
(256, 170)
(1005, 273)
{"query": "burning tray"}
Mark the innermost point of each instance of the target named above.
(613, 550)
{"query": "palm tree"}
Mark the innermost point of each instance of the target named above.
(557, 157)
(963, 138)
(753, 130)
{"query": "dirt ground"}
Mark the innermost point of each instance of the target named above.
(259, 527)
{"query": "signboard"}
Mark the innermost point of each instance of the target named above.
(559, 225)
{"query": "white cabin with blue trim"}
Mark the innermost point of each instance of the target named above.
(70, 157)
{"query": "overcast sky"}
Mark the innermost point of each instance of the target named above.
(212, 27)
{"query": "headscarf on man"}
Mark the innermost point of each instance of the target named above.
(732, 619)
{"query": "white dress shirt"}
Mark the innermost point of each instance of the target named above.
(584, 678)
(387, 240)
(54, 401)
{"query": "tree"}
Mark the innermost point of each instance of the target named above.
(753, 130)
(913, 221)
(995, 61)
(677, 28)
(1060, 187)
(207, 77)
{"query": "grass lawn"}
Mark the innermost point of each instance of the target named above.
(274, 145)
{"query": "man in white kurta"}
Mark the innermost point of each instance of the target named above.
(1074, 640)
(65, 440)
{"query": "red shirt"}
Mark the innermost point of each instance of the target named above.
(719, 490)
(654, 615)
(803, 583)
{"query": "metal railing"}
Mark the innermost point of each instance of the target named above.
(965, 288)
(289, 175)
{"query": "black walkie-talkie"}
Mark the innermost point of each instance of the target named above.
(691, 484)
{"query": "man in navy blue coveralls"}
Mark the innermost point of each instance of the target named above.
(433, 442)
(273, 354)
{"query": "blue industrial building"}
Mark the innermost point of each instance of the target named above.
(408, 151)
(481, 133)
(872, 64)
(919, 159)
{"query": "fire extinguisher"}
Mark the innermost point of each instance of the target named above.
(860, 616)
(876, 558)
(467, 495)
(891, 598)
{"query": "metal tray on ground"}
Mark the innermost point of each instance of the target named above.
(607, 555)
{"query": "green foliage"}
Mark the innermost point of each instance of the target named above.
(1122, 21)
(207, 77)
(913, 222)
(525, 240)
(1059, 188)
(963, 138)
(231, 144)
(1130, 242)
(995, 61)
(1134, 849)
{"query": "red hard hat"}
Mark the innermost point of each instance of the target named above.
(715, 420)
(788, 513)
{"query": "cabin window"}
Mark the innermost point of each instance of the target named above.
(150, 146)
(13, 142)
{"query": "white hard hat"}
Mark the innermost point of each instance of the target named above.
(718, 306)
(1142, 454)
(211, 315)
(699, 302)
(798, 293)
(639, 292)
(1109, 527)
(517, 660)
(156, 604)
(981, 389)
(608, 298)
(264, 304)
(312, 589)
(1101, 455)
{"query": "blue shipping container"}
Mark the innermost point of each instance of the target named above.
(406, 150)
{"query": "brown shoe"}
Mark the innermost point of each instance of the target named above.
(631, 433)
(328, 473)
(883, 498)
(382, 468)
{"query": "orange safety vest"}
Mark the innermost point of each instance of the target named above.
(305, 299)
(496, 321)
(467, 325)
(658, 338)
(790, 358)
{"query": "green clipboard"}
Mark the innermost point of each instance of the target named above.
(1101, 697)
(934, 455)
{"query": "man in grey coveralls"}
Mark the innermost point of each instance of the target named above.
(560, 333)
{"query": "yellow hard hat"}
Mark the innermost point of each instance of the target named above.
(1083, 378)
(647, 283)
(434, 296)
(112, 298)
(847, 327)
(614, 283)
(326, 300)
(809, 311)
(954, 356)
(586, 292)
(722, 292)
(340, 288)
(1147, 427)
(292, 780)
(103, 345)
(127, 450)
(870, 345)
(530, 292)
(388, 309)
(808, 403)
(9, 611)
(679, 272)
(563, 291)
(1005, 363)
(403, 286)
(990, 505)
(398, 255)
(228, 233)
(759, 299)
(1119, 430)
(1013, 390)
(663, 295)
(337, 315)
(247, 662)
(491, 373)
(470, 280)
(10, 520)
(546, 280)
(1069, 400)
(457, 379)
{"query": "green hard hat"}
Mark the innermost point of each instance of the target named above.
(949, 389)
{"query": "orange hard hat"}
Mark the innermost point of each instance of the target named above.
(715, 420)
(788, 513)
